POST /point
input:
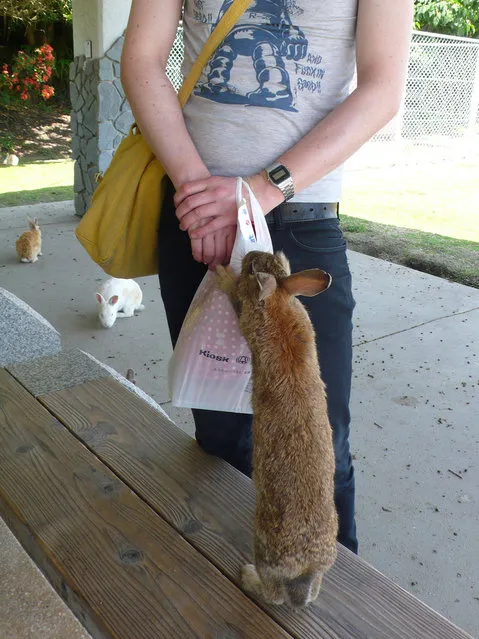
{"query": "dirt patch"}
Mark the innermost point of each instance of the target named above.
(35, 134)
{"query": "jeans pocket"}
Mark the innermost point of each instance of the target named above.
(322, 236)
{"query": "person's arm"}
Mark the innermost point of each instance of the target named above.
(382, 46)
(149, 37)
(150, 34)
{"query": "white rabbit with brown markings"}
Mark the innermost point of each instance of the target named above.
(293, 459)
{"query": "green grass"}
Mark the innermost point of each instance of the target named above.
(453, 259)
(36, 182)
(440, 198)
(425, 216)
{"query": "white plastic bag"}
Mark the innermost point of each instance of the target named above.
(211, 365)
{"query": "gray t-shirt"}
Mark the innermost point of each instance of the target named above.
(283, 67)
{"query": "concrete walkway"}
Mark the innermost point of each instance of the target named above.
(415, 407)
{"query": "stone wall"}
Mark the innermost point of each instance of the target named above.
(101, 117)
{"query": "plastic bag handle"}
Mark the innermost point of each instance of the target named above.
(249, 236)
(259, 232)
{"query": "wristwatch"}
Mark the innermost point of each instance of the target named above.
(279, 175)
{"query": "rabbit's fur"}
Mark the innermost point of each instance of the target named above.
(29, 244)
(118, 297)
(293, 458)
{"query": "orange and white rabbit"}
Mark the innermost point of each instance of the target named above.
(293, 458)
(29, 244)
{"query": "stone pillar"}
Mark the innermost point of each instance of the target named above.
(101, 116)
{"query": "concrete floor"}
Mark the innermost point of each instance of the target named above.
(415, 416)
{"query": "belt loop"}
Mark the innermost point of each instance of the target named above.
(337, 211)
(278, 218)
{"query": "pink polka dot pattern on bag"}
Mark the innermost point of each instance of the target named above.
(211, 364)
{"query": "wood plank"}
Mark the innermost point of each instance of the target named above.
(123, 570)
(212, 505)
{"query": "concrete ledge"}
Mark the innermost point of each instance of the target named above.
(70, 368)
(30, 349)
(24, 333)
(57, 372)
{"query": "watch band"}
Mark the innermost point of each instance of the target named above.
(285, 185)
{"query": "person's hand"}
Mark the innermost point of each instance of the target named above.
(206, 206)
(207, 210)
(217, 247)
(197, 245)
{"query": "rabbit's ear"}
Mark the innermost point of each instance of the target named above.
(113, 300)
(308, 283)
(99, 298)
(266, 284)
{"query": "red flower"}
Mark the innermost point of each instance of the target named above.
(47, 92)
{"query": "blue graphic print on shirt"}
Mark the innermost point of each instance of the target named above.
(268, 43)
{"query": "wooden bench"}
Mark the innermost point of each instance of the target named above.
(143, 535)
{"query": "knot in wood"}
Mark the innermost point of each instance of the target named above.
(191, 526)
(131, 556)
(24, 448)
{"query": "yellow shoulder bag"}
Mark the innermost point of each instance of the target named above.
(119, 230)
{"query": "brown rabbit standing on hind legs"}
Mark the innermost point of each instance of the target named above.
(293, 458)
(29, 244)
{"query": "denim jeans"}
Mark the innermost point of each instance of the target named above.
(317, 244)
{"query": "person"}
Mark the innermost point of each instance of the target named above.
(273, 105)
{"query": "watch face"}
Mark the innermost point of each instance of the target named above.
(279, 174)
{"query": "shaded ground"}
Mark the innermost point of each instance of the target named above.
(414, 406)
(35, 133)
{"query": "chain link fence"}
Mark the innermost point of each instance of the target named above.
(173, 66)
(442, 91)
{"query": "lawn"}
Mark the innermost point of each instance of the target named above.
(440, 198)
(425, 216)
(30, 183)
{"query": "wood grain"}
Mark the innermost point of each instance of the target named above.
(123, 570)
(212, 505)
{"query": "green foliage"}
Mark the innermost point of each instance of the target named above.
(453, 17)
(62, 69)
(61, 78)
(7, 142)
(34, 12)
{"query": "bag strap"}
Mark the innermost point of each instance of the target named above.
(224, 26)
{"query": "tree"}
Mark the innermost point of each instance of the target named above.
(36, 16)
(33, 12)
(453, 17)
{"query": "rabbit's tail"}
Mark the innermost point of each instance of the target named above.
(298, 590)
